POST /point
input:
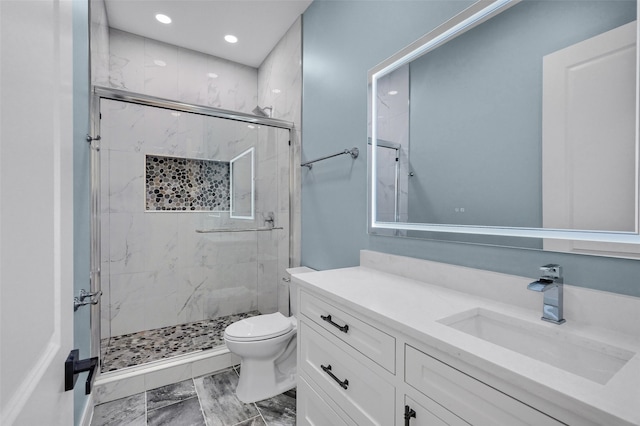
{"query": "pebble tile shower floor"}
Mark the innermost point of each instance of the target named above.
(204, 401)
(152, 345)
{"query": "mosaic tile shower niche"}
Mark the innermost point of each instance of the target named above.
(184, 184)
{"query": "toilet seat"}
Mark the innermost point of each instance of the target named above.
(260, 327)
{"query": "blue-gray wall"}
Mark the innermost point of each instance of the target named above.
(81, 200)
(342, 40)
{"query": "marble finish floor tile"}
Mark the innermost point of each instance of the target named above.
(279, 410)
(152, 345)
(125, 411)
(170, 394)
(204, 401)
(219, 402)
(183, 413)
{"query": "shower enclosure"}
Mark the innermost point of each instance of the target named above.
(194, 213)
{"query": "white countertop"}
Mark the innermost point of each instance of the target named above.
(414, 307)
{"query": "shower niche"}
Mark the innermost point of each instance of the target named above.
(194, 224)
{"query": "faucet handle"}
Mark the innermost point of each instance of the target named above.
(552, 271)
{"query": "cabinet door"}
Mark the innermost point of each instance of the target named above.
(469, 398)
(341, 373)
(312, 409)
(429, 413)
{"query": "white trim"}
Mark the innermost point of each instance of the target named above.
(87, 413)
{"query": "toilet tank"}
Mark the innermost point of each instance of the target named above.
(287, 303)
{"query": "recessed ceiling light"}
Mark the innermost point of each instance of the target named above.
(231, 38)
(251, 126)
(160, 63)
(392, 92)
(163, 18)
(276, 91)
(212, 75)
(175, 114)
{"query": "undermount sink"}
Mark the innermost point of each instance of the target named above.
(584, 357)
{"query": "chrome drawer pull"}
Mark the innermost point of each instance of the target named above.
(343, 384)
(408, 413)
(343, 328)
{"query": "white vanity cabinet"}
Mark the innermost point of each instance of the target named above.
(469, 398)
(356, 371)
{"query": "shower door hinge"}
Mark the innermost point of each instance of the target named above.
(94, 299)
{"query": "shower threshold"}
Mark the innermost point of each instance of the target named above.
(131, 350)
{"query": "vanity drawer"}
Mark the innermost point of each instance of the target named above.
(373, 343)
(429, 413)
(312, 410)
(344, 377)
(469, 398)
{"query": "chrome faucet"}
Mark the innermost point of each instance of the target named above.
(550, 284)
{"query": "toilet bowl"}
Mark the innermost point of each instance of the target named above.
(266, 345)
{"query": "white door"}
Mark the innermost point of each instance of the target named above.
(589, 140)
(36, 205)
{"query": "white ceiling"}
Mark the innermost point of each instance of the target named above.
(202, 24)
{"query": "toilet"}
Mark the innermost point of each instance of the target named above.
(266, 345)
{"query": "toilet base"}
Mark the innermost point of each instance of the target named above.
(258, 381)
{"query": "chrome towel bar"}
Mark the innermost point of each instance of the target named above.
(210, 231)
(354, 152)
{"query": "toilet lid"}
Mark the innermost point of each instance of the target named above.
(259, 327)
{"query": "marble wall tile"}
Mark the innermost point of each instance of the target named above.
(99, 43)
(191, 140)
(126, 182)
(154, 68)
(193, 76)
(160, 69)
(127, 301)
(127, 242)
(126, 61)
(161, 294)
(161, 131)
(122, 126)
(160, 237)
(225, 301)
(190, 295)
(267, 286)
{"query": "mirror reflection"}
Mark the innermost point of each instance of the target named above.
(525, 121)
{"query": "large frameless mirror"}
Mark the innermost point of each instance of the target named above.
(513, 123)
